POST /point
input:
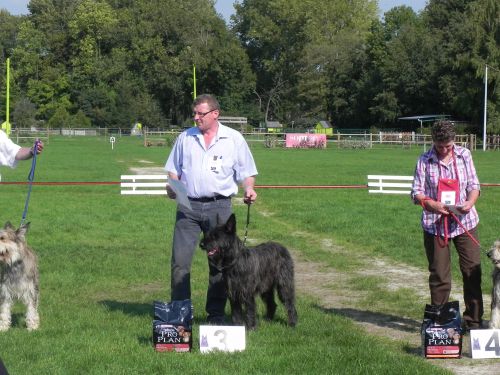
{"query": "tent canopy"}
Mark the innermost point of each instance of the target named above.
(424, 118)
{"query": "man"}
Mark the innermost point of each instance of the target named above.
(211, 160)
(10, 153)
(447, 187)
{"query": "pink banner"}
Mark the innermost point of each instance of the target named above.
(305, 140)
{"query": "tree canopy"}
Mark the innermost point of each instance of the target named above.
(77, 63)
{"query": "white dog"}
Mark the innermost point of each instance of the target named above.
(494, 255)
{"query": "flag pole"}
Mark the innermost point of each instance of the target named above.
(194, 81)
(6, 124)
(485, 118)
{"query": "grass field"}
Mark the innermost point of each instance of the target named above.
(104, 259)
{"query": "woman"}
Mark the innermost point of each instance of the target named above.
(446, 185)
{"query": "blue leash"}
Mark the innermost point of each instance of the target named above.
(31, 178)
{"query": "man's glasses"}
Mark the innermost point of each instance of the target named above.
(202, 114)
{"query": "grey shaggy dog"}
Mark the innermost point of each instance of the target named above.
(18, 276)
(251, 271)
(494, 255)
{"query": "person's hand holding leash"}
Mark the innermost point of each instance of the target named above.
(432, 205)
(26, 153)
(37, 147)
(249, 194)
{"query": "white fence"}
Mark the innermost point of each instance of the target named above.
(341, 140)
(405, 140)
(389, 184)
(29, 135)
(146, 184)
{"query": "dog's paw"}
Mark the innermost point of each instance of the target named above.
(4, 326)
(32, 323)
(32, 326)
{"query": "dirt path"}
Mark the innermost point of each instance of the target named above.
(313, 279)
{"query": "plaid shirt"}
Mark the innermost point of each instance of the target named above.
(427, 173)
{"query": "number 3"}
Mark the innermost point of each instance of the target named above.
(223, 339)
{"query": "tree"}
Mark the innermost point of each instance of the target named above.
(8, 31)
(397, 80)
(80, 120)
(90, 26)
(453, 37)
(301, 52)
(50, 92)
(60, 119)
(24, 114)
(485, 21)
(108, 57)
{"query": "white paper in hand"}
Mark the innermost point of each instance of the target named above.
(180, 193)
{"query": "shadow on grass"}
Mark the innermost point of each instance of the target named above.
(376, 318)
(381, 320)
(129, 308)
(141, 309)
(17, 321)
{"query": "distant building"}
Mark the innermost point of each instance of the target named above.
(238, 123)
(274, 127)
(323, 127)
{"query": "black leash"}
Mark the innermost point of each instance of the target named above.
(246, 226)
(222, 268)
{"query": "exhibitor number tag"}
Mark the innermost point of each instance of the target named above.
(485, 343)
(222, 338)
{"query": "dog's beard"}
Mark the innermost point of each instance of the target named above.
(9, 253)
(494, 254)
(495, 258)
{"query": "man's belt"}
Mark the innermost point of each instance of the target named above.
(208, 199)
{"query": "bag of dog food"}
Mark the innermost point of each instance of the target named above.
(442, 331)
(172, 326)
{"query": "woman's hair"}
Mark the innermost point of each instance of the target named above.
(207, 98)
(443, 131)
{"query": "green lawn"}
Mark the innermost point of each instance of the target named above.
(104, 259)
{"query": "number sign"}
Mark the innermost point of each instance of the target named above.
(222, 338)
(485, 343)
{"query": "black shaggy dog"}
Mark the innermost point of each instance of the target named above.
(251, 271)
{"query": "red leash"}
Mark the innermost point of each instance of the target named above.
(444, 219)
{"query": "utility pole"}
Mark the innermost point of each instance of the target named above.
(485, 106)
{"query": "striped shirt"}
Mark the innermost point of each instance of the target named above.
(425, 182)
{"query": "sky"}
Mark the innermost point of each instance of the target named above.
(223, 7)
